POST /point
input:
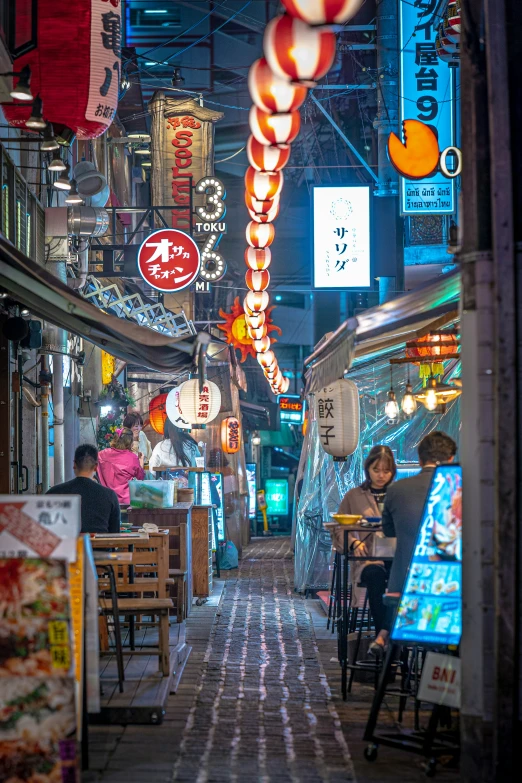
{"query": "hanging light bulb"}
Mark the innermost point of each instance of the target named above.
(57, 163)
(22, 90)
(431, 399)
(391, 408)
(49, 143)
(63, 182)
(409, 403)
(73, 197)
(36, 119)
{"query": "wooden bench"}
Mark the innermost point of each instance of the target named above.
(148, 556)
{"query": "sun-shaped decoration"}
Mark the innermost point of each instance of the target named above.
(236, 329)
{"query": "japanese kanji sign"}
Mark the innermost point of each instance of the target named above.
(341, 237)
(39, 526)
(105, 59)
(426, 94)
(169, 260)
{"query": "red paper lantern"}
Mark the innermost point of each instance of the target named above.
(267, 217)
(230, 435)
(298, 52)
(259, 236)
(256, 301)
(255, 321)
(263, 185)
(272, 94)
(257, 281)
(260, 207)
(267, 157)
(274, 128)
(318, 12)
(257, 334)
(75, 67)
(263, 344)
(158, 413)
(258, 258)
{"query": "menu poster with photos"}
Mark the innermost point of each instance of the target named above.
(430, 610)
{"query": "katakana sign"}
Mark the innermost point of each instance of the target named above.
(169, 260)
(426, 94)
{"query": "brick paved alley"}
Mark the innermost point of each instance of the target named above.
(259, 699)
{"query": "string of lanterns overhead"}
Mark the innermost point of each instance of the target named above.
(299, 49)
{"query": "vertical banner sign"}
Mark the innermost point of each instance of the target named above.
(104, 82)
(182, 134)
(427, 94)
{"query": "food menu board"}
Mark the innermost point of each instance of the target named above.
(252, 488)
(430, 610)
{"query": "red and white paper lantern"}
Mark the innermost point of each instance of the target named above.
(267, 359)
(263, 185)
(260, 207)
(262, 345)
(259, 236)
(256, 301)
(255, 320)
(274, 128)
(257, 281)
(267, 157)
(257, 334)
(297, 52)
(258, 258)
(319, 12)
(272, 94)
(266, 217)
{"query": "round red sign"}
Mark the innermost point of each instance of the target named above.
(169, 260)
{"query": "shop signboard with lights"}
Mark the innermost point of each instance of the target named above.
(276, 496)
(291, 408)
(341, 237)
(427, 94)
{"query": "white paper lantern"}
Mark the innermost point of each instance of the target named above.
(199, 407)
(172, 409)
(337, 409)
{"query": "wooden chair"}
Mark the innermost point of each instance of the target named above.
(178, 569)
(144, 583)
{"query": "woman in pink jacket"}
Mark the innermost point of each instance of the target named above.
(118, 464)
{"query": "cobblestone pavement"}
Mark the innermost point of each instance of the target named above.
(263, 709)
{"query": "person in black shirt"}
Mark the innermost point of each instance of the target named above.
(100, 507)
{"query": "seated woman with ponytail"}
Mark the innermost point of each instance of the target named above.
(118, 465)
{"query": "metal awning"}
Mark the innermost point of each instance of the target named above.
(383, 328)
(41, 292)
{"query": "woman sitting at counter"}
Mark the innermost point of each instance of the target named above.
(368, 500)
(141, 444)
(118, 465)
(177, 449)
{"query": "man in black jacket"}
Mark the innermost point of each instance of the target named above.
(99, 507)
(403, 509)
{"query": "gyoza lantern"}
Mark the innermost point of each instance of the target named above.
(337, 411)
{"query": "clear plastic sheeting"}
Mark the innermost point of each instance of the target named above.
(326, 482)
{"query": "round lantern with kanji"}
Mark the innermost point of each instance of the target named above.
(259, 235)
(258, 258)
(272, 94)
(169, 260)
(320, 12)
(337, 414)
(158, 413)
(267, 157)
(257, 281)
(298, 52)
(75, 66)
(172, 410)
(273, 129)
(199, 406)
(230, 435)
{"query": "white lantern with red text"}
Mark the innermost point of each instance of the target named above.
(258, 258)
(267, 157)
(320, 12)
(273, 129)
(263, 185)
(257, 281)
(259, 235)
(298, 52)
(271, 93)
(262, 345)
(337, 414)
(172, 410)
(199, 407)
(256, 301)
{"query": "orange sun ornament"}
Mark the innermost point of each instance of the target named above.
(236, 329)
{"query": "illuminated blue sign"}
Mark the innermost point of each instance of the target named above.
(430, 610)
(426, 94)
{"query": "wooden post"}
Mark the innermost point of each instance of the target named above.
(5, 415)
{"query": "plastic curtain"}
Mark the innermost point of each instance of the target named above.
(325, 482)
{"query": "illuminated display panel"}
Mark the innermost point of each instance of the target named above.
(291, 408)
(430, 611)
(341, 237)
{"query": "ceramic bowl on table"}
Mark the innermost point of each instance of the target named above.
(347, 519)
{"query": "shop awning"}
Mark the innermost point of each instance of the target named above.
(50, 299)
(381, 328)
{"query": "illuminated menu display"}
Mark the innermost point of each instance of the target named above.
(291, 408)
(430, 611)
